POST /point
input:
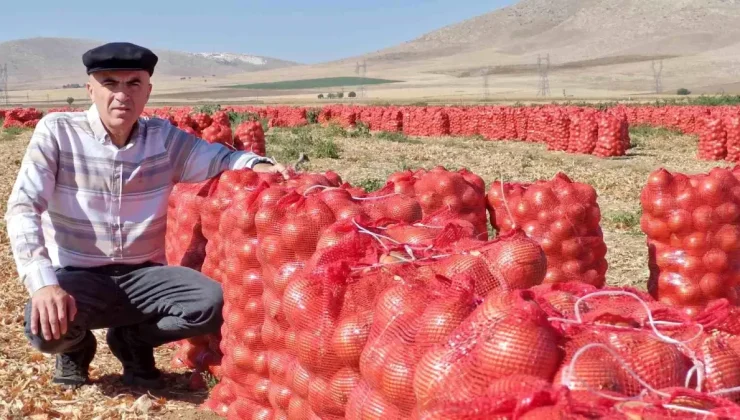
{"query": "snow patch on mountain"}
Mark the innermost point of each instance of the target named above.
(230, 58)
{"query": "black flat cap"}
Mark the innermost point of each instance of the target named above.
(119, 56)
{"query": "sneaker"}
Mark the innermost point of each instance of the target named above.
(139, 368)
(72, 367)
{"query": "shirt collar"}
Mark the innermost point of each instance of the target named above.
(101, 134)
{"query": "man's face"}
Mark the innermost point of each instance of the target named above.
(120, 96)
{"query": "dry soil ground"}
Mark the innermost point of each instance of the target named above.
(361, 159)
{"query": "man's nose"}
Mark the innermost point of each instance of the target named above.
(122, 96)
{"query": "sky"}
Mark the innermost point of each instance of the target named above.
(297, 30)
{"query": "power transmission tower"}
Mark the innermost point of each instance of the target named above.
(4, 82)
(486, 90)
(361, 71)
(658, 76)
(543, 67)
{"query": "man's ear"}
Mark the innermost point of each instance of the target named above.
(89, 88)
(149, 93)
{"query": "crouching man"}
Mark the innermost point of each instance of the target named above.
(87, 218)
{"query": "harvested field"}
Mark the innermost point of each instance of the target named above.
(361, 159)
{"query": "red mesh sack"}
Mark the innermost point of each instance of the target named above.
(567, 404)
(611, 141)
(392, 120)
(563, 217)
(720, 363)
(185, 244)
(410, 316)
(712, 139)
(606, 358)
(720, 315)
(243, 204)
(538, 125)
(462, 193)
(511, 261)
(419, 307)
(202, 121)
(328, 317)
(185, 121)
(691, 223)
(505, 398)
(250, 137)
(679, 403)
(494, 123)
(295, 321)
(559, 134)
(507, 334)
(221, 397)
(732, 128)
(584, 133)
(217, 133)
(462, 122)
(230, 187)
(522, 124)
(328, 310)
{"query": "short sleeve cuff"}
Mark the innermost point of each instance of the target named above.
(241, 160)
(39, 277)
(259, 159)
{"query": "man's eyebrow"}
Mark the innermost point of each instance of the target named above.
(109, 80)
(134, 80)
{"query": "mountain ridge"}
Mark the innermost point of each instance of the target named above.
(49, 61)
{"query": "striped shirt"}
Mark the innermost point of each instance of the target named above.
(81, 201)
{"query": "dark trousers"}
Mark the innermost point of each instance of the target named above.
(159, 304)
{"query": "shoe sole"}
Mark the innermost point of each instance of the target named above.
(70, 383)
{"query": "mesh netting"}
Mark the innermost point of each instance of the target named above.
(185, 244)
(250, 136)
(507, 334)
(343, 304)
(712, 139)
(693, 232)
(563, 217)
(505, 398)
(462, 193)
(621, 361)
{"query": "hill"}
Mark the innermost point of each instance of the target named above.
(597, 49)
(586, 29)
(52, 62)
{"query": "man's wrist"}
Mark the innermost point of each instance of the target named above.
(39, 278)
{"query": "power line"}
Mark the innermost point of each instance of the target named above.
(4, 82)
(361, 71)
(658, 76)
(486, 89)
(543, 67)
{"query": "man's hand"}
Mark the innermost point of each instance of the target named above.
(51, 309)
(277, 168)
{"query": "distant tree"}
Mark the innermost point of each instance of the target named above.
(332, 96)
(321, 96)
(352, 95)
(70, 100)
(340, 95)
(683, 92)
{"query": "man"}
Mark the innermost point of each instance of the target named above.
(87, 219)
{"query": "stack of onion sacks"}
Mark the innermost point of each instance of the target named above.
(563, 217)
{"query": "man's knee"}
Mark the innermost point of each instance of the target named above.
(206, 308)
(213, 303)
(62, 345)
(65, 342)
